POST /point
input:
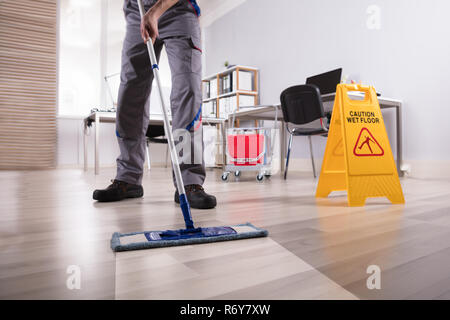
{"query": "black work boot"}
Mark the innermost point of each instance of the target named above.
(197, 197)
(117, 191)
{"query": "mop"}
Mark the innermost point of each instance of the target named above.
(191, 234)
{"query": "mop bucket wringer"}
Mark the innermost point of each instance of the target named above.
(246, 149)
(250, 149)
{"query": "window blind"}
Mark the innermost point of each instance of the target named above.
(28, 83)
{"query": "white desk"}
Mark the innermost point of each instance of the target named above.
(110, 117)
(266, 112)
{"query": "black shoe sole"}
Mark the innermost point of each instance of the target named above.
(112, 198)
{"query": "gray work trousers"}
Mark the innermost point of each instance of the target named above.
(179, 32)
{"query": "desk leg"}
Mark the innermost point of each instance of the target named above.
(97, 131)
(399, 139)
(282, 147)
(224, 144)
(85, 146)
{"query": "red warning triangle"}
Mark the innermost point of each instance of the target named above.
(366, 145)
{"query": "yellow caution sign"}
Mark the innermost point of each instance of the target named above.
(358, 156)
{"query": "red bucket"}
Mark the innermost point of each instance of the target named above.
(246, 149)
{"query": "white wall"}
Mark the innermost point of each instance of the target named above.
(91, 37)
(407, 58)
(79, 56)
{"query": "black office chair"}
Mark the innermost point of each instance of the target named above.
(301, 105)
(155, 134)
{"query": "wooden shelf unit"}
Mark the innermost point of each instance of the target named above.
(238, 92)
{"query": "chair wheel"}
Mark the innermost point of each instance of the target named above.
(237, 173)
(260, 177)
(225, 176)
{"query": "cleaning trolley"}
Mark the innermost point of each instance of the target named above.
(250, 149)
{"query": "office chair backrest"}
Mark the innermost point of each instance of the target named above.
(154, 131)
(301, 104)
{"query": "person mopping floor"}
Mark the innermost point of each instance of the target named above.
(174, 24)
(190, 234)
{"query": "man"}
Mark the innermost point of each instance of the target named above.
(174, 24)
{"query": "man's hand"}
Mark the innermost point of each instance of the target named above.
(149, 23)
(149, 26)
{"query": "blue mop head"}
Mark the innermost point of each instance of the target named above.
(169, 238)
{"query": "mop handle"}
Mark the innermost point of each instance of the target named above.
(184, 204)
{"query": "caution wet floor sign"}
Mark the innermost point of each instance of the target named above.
(358, 157)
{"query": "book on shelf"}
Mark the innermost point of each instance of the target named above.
(209, 109)
(226, 83)
(228, 105)
(213, 88)
(245, 80)
(246, 100)
(206, 91)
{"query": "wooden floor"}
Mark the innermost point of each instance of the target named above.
(316, 249)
